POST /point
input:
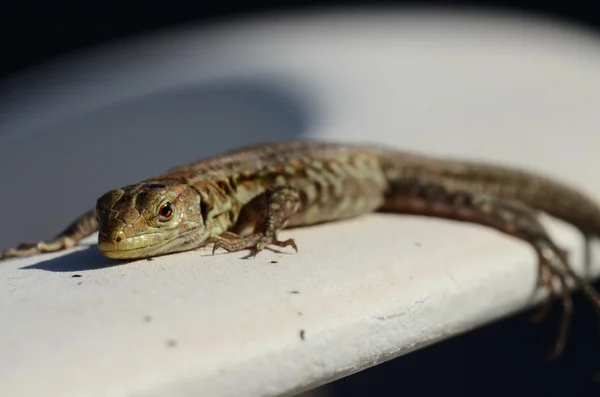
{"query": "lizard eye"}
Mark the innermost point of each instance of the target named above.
(166, 210)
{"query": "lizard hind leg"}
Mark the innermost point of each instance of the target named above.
(545, 280)
(551, 256)
(519, 221)
(269, 213)
(433, 198)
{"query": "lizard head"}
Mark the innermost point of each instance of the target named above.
(148, 219)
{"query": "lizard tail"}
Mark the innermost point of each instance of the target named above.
(532, 189)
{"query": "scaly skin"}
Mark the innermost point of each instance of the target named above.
(242, 199)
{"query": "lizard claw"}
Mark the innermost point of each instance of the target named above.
(289, 242)
(266, 241)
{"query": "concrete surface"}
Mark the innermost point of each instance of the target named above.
(359, 292)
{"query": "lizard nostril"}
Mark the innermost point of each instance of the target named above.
(116, 237)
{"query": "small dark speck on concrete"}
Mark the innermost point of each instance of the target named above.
(302, 334)
(147, 319)
(294, 292)
(299, 313)
(149, 259)
(417, 244)
(273, 261)
(79, 283)
(171, 343)
(76, 275)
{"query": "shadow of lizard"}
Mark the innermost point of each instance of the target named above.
(78, 261)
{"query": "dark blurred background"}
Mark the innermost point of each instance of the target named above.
(506, 358)
(31, 31)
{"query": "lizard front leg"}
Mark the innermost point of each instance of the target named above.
(434, 199)
(82, 227)
(269, 212)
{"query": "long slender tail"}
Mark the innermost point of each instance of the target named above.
(537, 191)
(82, 227)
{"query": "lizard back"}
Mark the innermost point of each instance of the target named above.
(344, 180)
(334, 181)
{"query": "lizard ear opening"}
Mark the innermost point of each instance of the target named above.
(205, 209)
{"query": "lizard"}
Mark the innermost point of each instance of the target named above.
(243, 198)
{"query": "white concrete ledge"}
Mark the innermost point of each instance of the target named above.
(359, 292)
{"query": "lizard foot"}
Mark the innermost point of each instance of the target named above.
(546, 281)
(554, 264)
(256, 242)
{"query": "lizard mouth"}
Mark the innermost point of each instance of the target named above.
(117, 246)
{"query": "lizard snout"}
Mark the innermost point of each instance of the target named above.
(110, 241)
